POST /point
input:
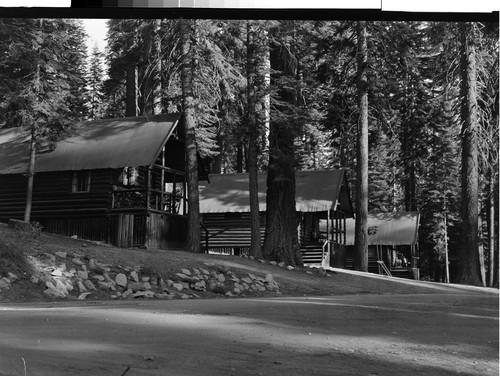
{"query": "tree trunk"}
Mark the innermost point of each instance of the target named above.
(131, 100)
(281, 241)
(468, 263)
(193, 236)
(253, 135)
(361, 224)
(491, 230)
(31, 177)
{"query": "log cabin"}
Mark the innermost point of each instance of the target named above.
(392, 244)
(120, 181)
(320, 195)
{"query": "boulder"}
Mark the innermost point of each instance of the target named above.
(83, 295)
(178, 286)
(136, 286)
(82, 274)
(121, 280)
(128, 294)
(89, 285)
(81, 286)
(99, 277)
(61, 254)
(186, 271)
(106, 285)
(290, 267)
(134, 276)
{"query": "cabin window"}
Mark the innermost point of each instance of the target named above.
(129, 176)
(81, 182)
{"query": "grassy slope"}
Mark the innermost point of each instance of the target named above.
(168, 262)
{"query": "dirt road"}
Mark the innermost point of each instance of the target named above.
(421, 334)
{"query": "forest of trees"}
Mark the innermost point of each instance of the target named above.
(416, 102)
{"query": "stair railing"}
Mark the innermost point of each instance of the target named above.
(324, 251)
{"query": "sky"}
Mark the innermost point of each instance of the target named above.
(96, 30)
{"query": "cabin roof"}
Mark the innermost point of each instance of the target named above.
(316, 191)
(395, 228)
(109, 143)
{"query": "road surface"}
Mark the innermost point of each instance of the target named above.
(423, 334)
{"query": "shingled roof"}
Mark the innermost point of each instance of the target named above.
(316, 191)
(110, 143)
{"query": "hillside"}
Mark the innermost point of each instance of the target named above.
(62, 268)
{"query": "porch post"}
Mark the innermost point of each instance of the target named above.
(162, 197)
(148, 187)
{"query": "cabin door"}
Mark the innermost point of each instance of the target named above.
(125, 236)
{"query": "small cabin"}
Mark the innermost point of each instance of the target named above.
(392, 244)
(320, 195)
(120, 181)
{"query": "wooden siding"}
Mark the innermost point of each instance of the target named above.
(166, 230)
(52, 195)
(229, 230)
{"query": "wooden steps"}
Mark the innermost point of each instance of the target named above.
(311, 253)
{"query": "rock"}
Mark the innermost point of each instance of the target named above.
(272, 262)
(184, 296)
(205, 271)
(109, 279)
(34, 279)
(170, 283)
(12, 276)
(163, 285)
(236, 291)
(251, 257)
(57, 273)
(76, 261)
(61, 254)
(121, 280)
(186, 271)
(145, 279)
(245, 286)
(262, 261)
(247, 280)
(281, 264)
(309, 272)
(128, 294)
(147, 285)
(252, 277)
(81, 286)
(134, 276)
(99, 277)
(144, 294)
(200, 286)
(290, 267)
(229, 294)
(196, 271)
(89, 285)
(74, 237)
(95, 266)
(221, 278)
(238, 286)
(114, 297)
(178, 286)
(50, 256)
(82, 274)
(4, 284)
(72, 272)
(269, 278)
(136, 286)
(106, 285)
(84, 295)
